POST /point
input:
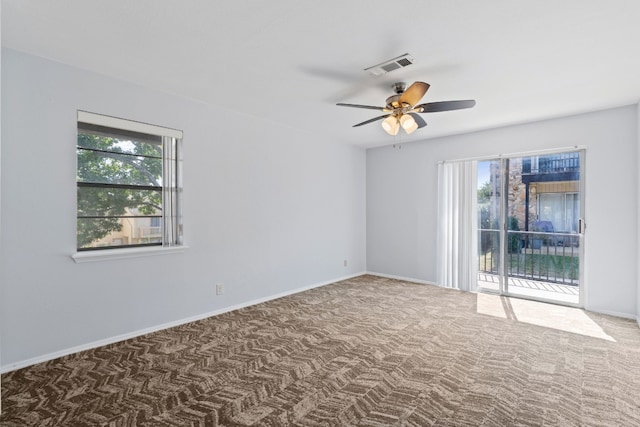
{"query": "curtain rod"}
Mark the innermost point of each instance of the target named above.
(519, 154)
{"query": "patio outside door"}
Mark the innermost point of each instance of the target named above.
(531, 227)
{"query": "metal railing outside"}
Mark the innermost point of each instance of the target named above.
(546, 257)
(568, 162)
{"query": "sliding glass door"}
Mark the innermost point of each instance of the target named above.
(530, 226)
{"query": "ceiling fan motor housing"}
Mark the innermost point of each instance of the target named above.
(393, 102)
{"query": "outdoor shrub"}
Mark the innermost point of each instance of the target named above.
(514, 239)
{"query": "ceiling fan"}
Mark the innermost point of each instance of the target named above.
(401, 109)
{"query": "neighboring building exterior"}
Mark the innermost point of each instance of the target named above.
(543, 188)
(135, 231)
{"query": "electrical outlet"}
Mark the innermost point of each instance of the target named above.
(345, 262)
(219, 289)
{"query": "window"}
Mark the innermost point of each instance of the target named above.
(128, 184)
(562, 209)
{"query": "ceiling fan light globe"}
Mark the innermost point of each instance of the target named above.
(411, 129)
(391, 125)
(408, 123)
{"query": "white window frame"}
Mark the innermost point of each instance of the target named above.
(172, 240)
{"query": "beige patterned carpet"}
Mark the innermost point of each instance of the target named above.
(365, 352)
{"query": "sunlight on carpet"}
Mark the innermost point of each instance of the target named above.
(568, 319)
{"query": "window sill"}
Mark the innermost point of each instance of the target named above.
(113, 254)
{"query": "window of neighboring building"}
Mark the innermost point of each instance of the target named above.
(128, 184)
(561, 209)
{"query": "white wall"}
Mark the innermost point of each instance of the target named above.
(268, 210)
(0, 191)
(402, 197)
(638, 193)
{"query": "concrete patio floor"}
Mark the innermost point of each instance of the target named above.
(531, 288)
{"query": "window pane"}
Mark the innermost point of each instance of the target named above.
(109, 140)
(110, 232)
(573, 212)
(115, 168)
(552, 209)
(110, 202)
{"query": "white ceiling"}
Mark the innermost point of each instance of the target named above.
(290, 61)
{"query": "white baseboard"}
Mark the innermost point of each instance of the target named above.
(406, 279)
(89, 346)
(614, 313)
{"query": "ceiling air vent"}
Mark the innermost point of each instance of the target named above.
(390, 65)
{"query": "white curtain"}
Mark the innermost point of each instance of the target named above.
(458, 225)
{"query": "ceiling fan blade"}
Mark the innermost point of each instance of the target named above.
(372, 120)
(368, 107)
(414, 93)
(419, 120)
(434, 107)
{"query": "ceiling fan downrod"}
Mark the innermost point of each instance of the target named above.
(399, 87)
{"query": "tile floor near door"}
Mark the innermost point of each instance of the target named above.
(531, 288)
